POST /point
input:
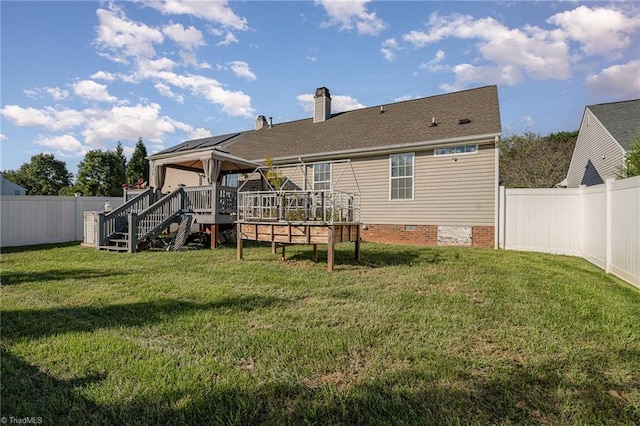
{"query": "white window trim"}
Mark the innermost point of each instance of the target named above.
(313, 172)
(456, 153)
(413, 176)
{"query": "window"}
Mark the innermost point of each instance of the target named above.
(401, 176)
(322, 176)
(232, 180)
(456, 150)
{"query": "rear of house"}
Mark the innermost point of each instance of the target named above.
(426, 169)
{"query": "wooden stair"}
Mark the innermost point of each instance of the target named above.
(117, 242)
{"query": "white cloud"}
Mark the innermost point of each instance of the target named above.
(599, 30)
(404, 98)
(123, 37)
(217, 12)
(339, 103)
(188, 39)
(620, 81)
(50, 118)
(510, 55)
(350, 14)
(234, 103)
(66, 143)
(199, 133)
(3, 137)
(126, 123)
(313, 55)
(228, 39)
(388, 48)
(467, 73)
(89, 89)
(166, 91)
(31, 93)
(537, 53)
(434, 64)
(103, 75)
(241, 69)
(55, 92)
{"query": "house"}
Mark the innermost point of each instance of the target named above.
(11, 188)
(606, 134)
(426, 169)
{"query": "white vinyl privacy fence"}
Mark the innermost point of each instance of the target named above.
(27, 220)
(599, 223)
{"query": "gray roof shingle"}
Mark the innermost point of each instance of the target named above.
(621, 119)
(401, 123)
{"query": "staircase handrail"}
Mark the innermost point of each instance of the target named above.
(116, 220)
(156, 217)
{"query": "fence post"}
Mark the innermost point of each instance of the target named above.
(75, 218)
(502, 214)
(607, 259)
(100, 230)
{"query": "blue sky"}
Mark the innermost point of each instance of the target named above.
(82, 75)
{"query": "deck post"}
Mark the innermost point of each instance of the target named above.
(315, 253)
(283, 258)
(214, 235)
(357, 250)
(133, 232)
(330, 247)
(239, 242)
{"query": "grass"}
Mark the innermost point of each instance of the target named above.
(408, 336)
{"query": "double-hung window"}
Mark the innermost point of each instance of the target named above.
(401, 176)
(322, 176)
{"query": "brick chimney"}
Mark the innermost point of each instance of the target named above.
(261, 122)
(321, 105)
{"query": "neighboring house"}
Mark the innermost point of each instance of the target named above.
(426, 169)
(11, 188)
(606, 133)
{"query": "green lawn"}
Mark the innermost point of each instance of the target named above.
(408, 336)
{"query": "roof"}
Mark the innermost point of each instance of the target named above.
(621, 119)
(197, 144)
(402, 124)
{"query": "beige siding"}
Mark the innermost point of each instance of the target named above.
(596, 156)
(446, 192)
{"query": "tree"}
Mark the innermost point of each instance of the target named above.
(43, 175)
(530, 160)
(631, 165)
(120, 152)
(101, 173)
(138, 165)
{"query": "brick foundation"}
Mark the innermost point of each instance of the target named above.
(483, 236)
(422, 235)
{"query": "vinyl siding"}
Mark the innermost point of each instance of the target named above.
(446, 192)
(588, 167)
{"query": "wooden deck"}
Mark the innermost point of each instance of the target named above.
(313, 233)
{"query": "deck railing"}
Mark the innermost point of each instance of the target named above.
(116, 220)
(202, 199)
(299, 206)
(155, 217)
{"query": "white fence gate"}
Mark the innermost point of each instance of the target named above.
(27, 220)
(599, 223)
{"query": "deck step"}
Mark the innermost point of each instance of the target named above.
(114, 248)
